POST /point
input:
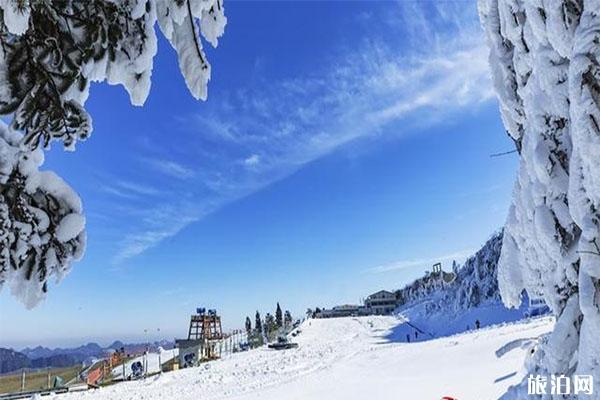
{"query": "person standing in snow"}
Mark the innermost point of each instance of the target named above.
(477, 324)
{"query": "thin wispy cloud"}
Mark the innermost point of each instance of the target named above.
(161, 222)
(171, 168)
(127, 189)
(458, 256)
(264, 132)
(252, 161)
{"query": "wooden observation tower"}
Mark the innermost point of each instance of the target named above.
(204, 336)
(205, 339)
(205, 326)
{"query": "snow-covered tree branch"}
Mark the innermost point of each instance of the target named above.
(41, 221)
(544, 58)
(50, 51)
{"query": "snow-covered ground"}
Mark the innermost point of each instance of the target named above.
(348, 358)
(450, 322)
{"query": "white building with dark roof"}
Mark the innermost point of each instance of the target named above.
(381, 303)
(346, 310)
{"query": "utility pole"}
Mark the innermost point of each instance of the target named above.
(145, 358)
(159, 354)
(23, 381)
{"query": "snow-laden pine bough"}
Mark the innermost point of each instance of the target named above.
(50, 51)
(545, 62)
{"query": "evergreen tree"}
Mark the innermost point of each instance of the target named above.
(248, 327)
(270, 327)
(287, 319)
(257, 336)
(50, 52)
(278, 316)
(544, 61)
(258, 327)
(474, 295)
(399, 297)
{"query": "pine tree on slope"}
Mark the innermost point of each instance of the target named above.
(248, 327)
(287, 319)
(278, 316)
(270, 327)
(258, 328)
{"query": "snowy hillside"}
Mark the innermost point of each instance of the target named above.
(348, 358)
(476, 282)
(438, 308)
(430, 325)
(475, 285)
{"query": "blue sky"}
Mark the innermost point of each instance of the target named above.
(344, 148)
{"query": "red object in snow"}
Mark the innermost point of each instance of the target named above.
(96, 374)
(448, 398)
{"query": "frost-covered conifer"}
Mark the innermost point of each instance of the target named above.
(544, 60)
(474, 283)
(41, 221)
(50, 52)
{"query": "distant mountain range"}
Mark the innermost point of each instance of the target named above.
(42, 357)
(87, 350)
(11, 360)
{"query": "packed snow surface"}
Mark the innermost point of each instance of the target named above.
(349, 358)
(439, 324)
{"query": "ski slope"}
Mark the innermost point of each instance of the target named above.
(348, 358)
